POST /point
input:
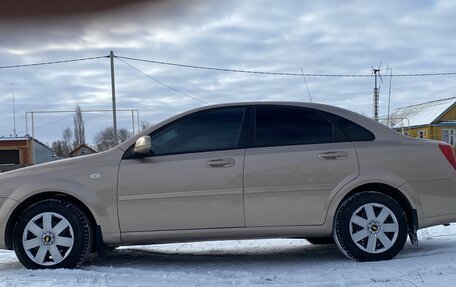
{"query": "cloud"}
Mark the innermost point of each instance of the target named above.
(23, 9)
(320, 36)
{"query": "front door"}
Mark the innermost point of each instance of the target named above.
(192, 178)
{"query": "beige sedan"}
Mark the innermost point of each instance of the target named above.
(244, 170)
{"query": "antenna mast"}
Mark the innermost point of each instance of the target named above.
(376, 73)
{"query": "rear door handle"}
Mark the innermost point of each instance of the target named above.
(332, 155)
(220, 162)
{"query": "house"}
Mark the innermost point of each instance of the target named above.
(432, 120)
(16, 152)
(82, 149)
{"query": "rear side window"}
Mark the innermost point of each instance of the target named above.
(352, 131)
(279, 126)
(204, 131)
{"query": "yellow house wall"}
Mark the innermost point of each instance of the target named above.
(434, 133)
(449, 116)
(414, 132)
(437, 131)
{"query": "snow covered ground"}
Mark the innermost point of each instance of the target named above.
(277, 262)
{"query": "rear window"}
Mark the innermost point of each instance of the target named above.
(352, 131)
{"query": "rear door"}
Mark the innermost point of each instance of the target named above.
(295, 162)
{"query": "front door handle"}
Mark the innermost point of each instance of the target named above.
(332, 155)
(220, 162)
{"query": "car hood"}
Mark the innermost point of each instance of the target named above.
(57, 174)
(52, 166)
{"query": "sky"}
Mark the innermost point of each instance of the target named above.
(324, 37)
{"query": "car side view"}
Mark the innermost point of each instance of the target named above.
(230, 171)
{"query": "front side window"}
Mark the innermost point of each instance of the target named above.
(449, 136)
(204, 131)
(279, 126)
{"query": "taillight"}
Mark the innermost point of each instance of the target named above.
(448, 151)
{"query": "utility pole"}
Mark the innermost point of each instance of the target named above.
(14, 110)
(376, 73)
(33, 140)
(113, 89)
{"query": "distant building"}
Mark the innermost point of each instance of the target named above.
(432, 120)
(16, 152)
(82, 150)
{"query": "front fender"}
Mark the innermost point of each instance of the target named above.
(100, 202)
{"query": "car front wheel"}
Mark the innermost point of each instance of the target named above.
(52, 234)
(370, 226)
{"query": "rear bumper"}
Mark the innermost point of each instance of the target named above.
(438, 201)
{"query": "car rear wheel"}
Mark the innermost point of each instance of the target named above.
(370, 226)
(52, 234)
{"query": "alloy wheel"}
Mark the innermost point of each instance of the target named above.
(374, 228)
(48, 238)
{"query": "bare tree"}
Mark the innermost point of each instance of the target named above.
(67, 137)
(79, 130)
(62, 148)
(145, 125)
(59, 148)
(104, 139)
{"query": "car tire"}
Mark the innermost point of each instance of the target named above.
(321, 240)
(52, 234)
(370, 226)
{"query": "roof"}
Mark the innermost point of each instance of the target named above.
(378, 129)
(80, 146)
(421, 114)
(7, 139)
(25, 138)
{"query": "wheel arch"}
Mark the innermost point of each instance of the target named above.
(395, 193)
(39, 197)
(386, 189)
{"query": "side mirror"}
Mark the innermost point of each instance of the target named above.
(142, 145)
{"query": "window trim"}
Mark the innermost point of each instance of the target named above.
(129, 154)
(424, 134)
(450, 135)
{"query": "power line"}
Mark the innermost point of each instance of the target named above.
(52, 62)
(278, 73)
(161, 83)
(422, 74)
(229, 70)
(243, 71)
(53, 121)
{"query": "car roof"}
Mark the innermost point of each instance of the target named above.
(379, 130)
